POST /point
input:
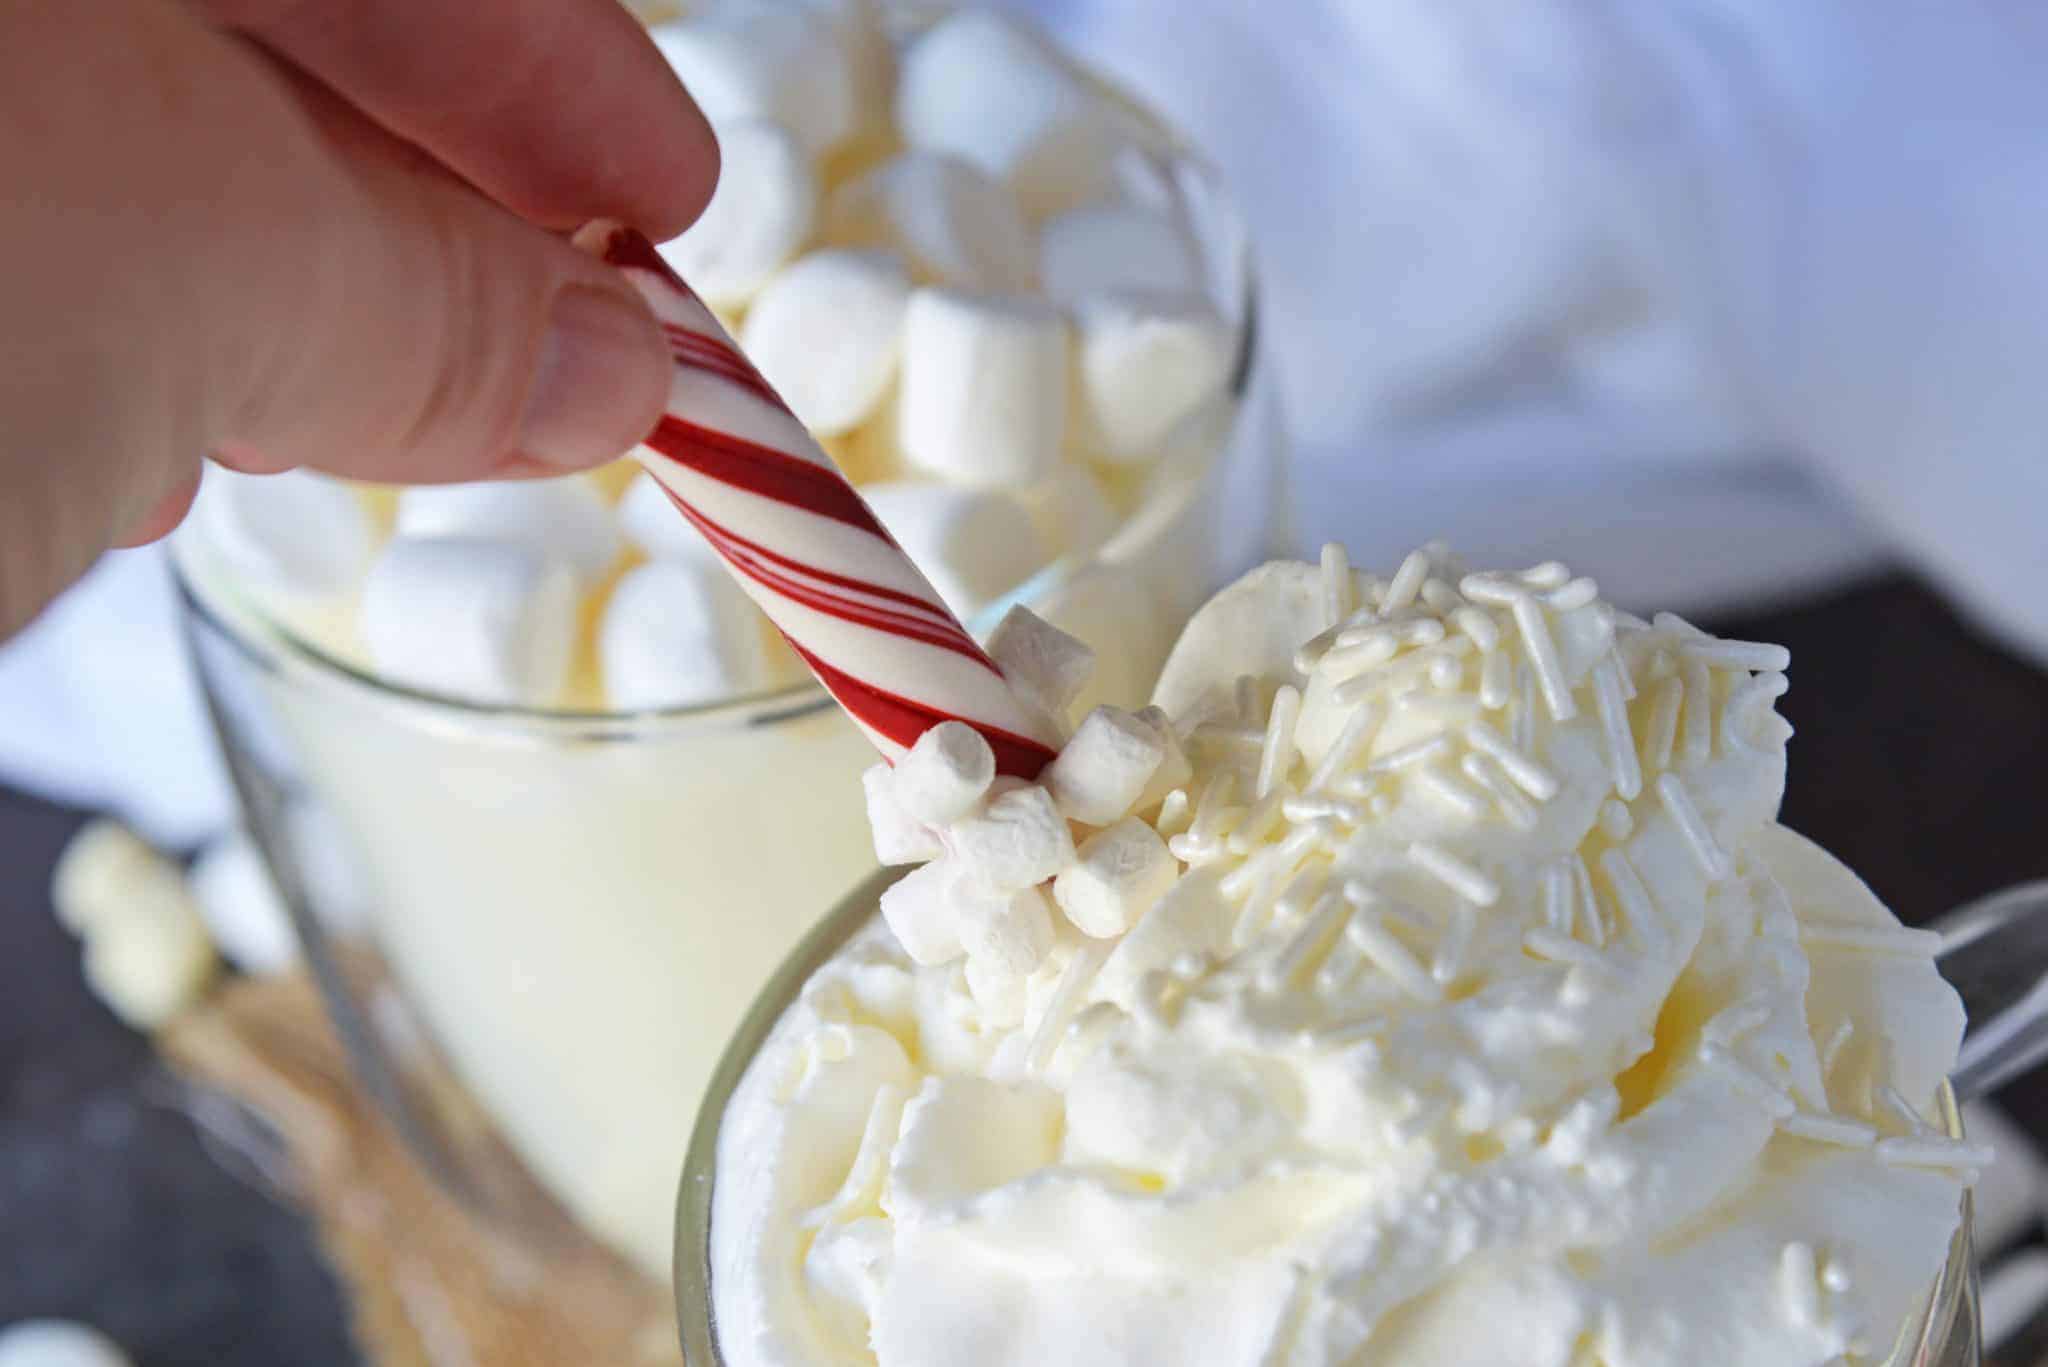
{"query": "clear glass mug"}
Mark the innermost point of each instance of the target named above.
(1994, 951)
(578, 907)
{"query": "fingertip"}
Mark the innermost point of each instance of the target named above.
(694, 161)
(163, 516)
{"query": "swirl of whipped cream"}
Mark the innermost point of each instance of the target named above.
(1488, 1017)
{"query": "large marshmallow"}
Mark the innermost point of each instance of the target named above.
(1145, 362)
(826, 333)
(773, 63)
(103, 868)
(953, 224)
(57, 1343)
(1009, 931)
(983, 400)
(973, 544)
(1070, 510)
(899, 838)
(241, 907)
(1115, 246)
(1117, 876)
(652, 522)
(485, 621)
(987, 89)
(764, 207)
(1017, 840)
(298, 533)
(1042, 663)
(919, 908)
(151, 960)
(945, 773)
(1110, 605)
(677, 633)
(1100, 772)
(859, 28)
(562, 519)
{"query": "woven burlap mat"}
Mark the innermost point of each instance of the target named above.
(428, 1285)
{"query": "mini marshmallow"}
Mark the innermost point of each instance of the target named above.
(651, 521)
(774, 64)
(983, 400)
(104, 868)
(676, 633)
(989, 90)
(1174, 770)
(57, 1343)
(1118, 875)
(919, 910)
(241, 907)
(1115, 248)
(1041, 662)
(1099, 774)
(1002, 997)
(973, 544)
(1019, 839)
(944, 774)
(151, 960)
(898, 838)
(1146, 361)
(826, 333)
(485, 621)
(561, 519)
(953, 224)
(1072, 514)
(763, 209)
(295, 533)
(1010, 932)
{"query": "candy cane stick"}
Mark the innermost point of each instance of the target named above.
(800, 541)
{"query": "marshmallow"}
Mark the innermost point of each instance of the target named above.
(989, 90)
(863, 41)
(983, 400)
(973, 544)
(774, 64)
(1041, 662)
(1019, 839)
(485, 621)
(1118, 875)
(954, 225)
(652, 522)
(1010, 932)
(898, 838)
(676, 633)
(763, 209)
(295, 533)
(57, 1343)
(1108, 603)
(944, 774)
(104, 868)
(1072, 514)
(1100, 773)
(826, 333)
(1146, 361)
(919, 910)
(1003, 997)
(1101, 248)
(151, 960)
(1174, 770)
(561, 519)
(241, 907)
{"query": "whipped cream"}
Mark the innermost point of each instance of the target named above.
(1481, 1013)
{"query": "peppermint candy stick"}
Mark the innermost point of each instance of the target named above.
(801, 542)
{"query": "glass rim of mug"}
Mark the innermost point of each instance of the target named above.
(261, 635)
(1930, 1327)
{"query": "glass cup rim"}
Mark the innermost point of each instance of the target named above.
(1952, 1291)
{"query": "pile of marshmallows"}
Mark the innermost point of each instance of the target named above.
(969, 271)
(1002, 853)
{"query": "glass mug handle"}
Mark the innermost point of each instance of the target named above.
(1994, 951)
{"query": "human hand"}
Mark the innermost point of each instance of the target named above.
(281, 232)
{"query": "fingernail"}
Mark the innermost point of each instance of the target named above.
(601, 373)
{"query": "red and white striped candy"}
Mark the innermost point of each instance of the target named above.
(803, 544)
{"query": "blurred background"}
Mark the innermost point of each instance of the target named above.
(1736, 307)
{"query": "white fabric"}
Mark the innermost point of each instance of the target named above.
(1629, 282)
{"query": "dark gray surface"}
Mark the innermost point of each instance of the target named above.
(1917, 760)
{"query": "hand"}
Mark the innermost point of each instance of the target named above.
(288, 232)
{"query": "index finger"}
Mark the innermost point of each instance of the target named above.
(562, 110)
